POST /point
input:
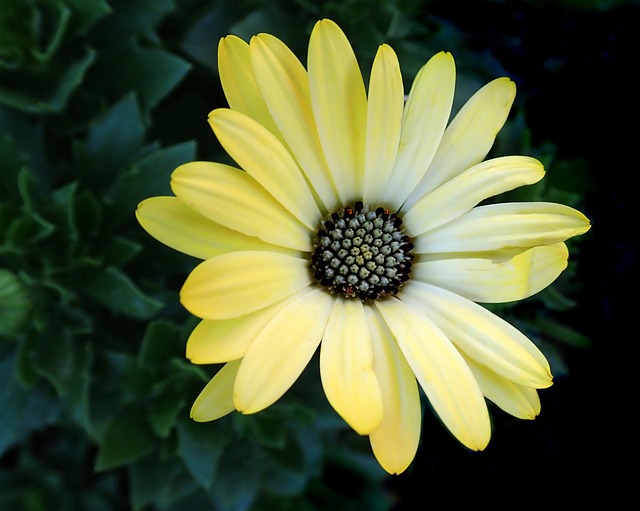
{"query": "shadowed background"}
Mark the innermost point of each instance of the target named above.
(101, 99)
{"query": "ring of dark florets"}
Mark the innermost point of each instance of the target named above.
(360, 252)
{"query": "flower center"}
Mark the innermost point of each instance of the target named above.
(362, 252)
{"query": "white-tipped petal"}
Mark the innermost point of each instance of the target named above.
(216, 399)
(265, 159)
(481, 335)
(284, 84)
(466, 190)
(281, 351)
(384, 120)
(232, 198)
(339, 106)
(176, 225)
(239, 283)
(395, 441)
(442, 372)
(498, 226)
(496, 278)
(425, 117)
(346, 367)
(469, 137)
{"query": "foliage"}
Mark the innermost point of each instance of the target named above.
(99, 101)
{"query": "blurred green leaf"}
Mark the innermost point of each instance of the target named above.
(161, 342)
(148, 176)
(23, 410)
(151, 72)
(15, 303)
(165, 407)
(156, 480)
(119, 251)
(557, 331)
(236, 487)
(200, 447)
(45, 91)
(111, 143)
(127, 439)
(118, 293)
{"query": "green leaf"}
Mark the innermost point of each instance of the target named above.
(23, 410)
(12, 160)
(550, 328)
(127, 439)
(111, 143)
(200, 446)
(15, 303)
(45, 91)
(53, 356)
(118, 293)
(162, 341)
(152, 72)
(164, 409)
(119, 251)
(148, 176)
(238, 484)
(155, 480)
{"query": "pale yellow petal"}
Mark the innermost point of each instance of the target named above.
(425, 118)
(239, 83)
(497, 226)
(469, 137)
(284, 84)
(281, 351)
(395, 441)
(346, 367)
(238, 283)
(231, 197)
(216, 399)
(221, 340)
(171, 222)
(481, 335)
(267, 161)
(469, 188)
(384, 119)
(442, 372)
(497, 279)
(517, 400)
(339, 106)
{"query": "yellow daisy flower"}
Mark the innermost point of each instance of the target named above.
(353, 226)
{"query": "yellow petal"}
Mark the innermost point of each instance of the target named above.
(216, 399)
(395, 440)
(469, 188)
(281, 351)
(499, 279)
(221, 340)
(425, 118)
(469, 137)
(517, 400)
(384, 118)
(265, 159)
(481, 335)
(171, 222)
(339, 106)
(498, 226)
(234, 199)
(442, 372)
(239, 84)
(239, 283)
(284, 84)
(346, 367)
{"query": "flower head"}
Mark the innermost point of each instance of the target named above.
(352, 225)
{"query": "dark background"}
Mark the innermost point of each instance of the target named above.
(572, 452)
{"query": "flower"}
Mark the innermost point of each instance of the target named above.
(353, 225)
